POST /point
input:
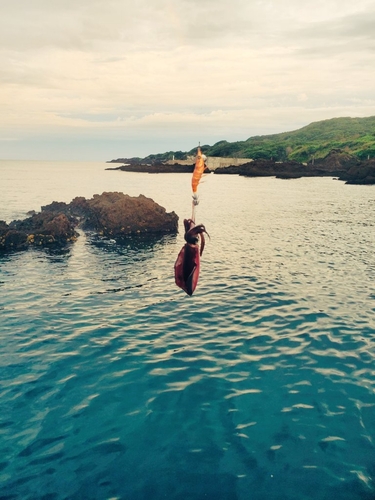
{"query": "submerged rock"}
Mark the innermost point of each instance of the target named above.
(114, 215)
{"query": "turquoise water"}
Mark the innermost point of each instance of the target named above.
(116, 384)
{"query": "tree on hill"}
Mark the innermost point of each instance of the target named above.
(356, 136)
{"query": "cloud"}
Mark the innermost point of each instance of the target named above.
(140, 69)
(95, 25)
(350, 35)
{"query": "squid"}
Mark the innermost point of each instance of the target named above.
(187, 265)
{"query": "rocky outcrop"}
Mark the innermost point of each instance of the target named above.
(336, 160)
(117, 215)
(43, 229)
(353, 170)
(270, 168)
(11, 239)
(336, 164)
(361, 173)
(155, 168)
(113, 215)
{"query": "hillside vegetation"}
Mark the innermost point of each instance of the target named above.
(355, 136)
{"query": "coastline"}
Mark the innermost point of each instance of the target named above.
(337, 165)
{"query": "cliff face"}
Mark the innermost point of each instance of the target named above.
(113, 215)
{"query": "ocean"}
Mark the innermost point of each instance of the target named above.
(261, 386)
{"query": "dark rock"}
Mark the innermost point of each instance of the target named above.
(336, 164)
(11, 239)
(288, 175)
(336, 160)
(43, 229)
(117, 215)
(231, 169)
(55, 207)
(126, 160)
(113, 215)
(266, 168)
(156, 168)
(362, 173)
(78, 207)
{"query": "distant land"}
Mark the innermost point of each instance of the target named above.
(340, 147)
(354, 136)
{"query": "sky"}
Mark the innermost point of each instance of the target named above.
(101, 79)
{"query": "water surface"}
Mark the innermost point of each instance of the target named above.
(115, 384)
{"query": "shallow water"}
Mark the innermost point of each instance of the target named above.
(115, 384)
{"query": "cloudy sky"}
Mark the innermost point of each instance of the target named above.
(102, 79)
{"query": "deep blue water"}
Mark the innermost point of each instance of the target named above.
(116, 385)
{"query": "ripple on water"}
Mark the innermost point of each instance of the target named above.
(115, 384)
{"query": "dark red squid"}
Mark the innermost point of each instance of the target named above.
(187, 265)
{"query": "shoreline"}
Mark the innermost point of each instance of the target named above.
(336, 165)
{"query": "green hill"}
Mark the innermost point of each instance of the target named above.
(355, 136)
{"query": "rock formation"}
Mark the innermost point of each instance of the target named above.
(155, 168)
(336, 164)
(361, 173)
(42, 229)
(114, 215)
(282, 170)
